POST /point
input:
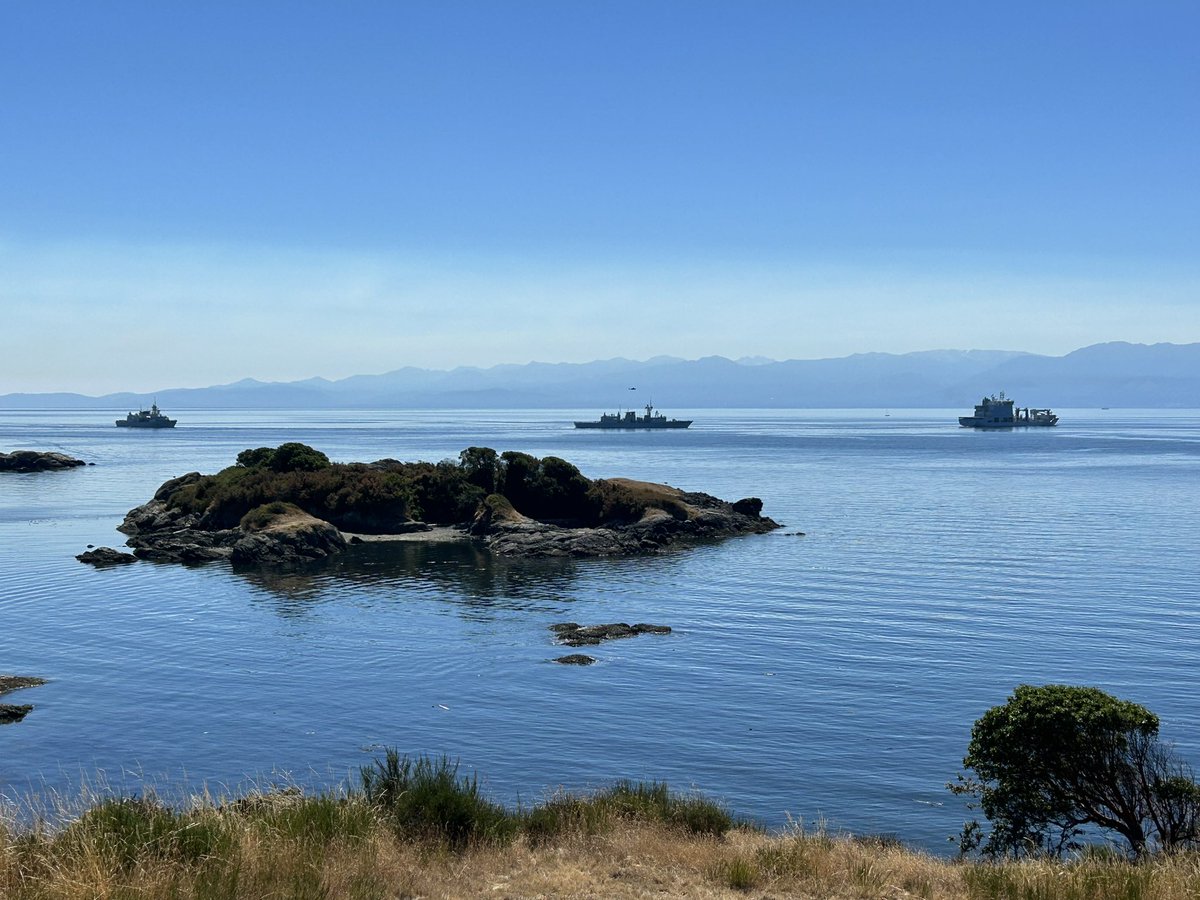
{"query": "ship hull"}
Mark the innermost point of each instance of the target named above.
(170, 423)
(637, 426)
(970, 422)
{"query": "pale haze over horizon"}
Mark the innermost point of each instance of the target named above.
(197, 194)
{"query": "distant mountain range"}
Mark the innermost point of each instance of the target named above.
(1113, 374)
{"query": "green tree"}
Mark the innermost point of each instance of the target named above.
(296, 457)
(1055, 762)
(481, 465)
(258, 456)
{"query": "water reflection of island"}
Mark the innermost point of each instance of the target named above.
(463, 573)
(378, 572)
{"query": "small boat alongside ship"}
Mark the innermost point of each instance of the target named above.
(631, 420)
(997, 411)
(147, 418)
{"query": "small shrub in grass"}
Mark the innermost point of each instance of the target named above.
(427, 798)
(700, 815)
(563, 814)
(127, 830)
(739, 873)
(654, 802)
(317, 820)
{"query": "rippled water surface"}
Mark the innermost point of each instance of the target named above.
(833, 675)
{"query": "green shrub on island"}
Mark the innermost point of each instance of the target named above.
(380, 496)
(289, 457)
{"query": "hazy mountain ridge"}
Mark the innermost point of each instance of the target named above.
(1116, 374)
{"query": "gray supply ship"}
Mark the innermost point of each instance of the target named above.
(997, 411)
(147, 418)
(631, 420)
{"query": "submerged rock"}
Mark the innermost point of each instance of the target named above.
(576, 659)
(15, 712)
(16, 682)
(10, 713)
(37, 461)
(105, 556)
(573, 634)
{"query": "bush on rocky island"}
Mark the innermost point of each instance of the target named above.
(515, 503)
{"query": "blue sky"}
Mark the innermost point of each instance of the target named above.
(194, 193)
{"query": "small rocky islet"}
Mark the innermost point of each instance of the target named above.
(38, 461)
(290, 504)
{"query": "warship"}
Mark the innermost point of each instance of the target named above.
(146, 418)
(631, 420)
(997, 411)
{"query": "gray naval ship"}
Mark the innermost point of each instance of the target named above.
(997, 412)
(631, 420)
(146, 418)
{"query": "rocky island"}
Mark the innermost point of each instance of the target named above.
(37, 461)
(290, 503)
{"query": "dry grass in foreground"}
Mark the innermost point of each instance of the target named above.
(417, 829)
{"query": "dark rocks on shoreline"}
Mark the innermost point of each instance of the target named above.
(672, 517)
(37, 461)
(572, 634)
(161, 534)
(105, 556)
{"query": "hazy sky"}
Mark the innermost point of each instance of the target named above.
(195, 193)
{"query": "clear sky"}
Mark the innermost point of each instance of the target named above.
(192, 193)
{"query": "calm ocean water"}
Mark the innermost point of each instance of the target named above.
(831, 676)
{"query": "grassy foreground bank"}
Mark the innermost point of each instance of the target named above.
(418, 829)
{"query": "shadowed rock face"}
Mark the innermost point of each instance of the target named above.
(37, 461)
(669, 517)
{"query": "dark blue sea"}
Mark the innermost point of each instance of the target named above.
(828, 677)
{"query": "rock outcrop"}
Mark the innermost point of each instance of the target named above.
(573, 634)
(288, 539)
(575, 659)
(160, 533)
(105, 556)
(670, 517)
(37, 461)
